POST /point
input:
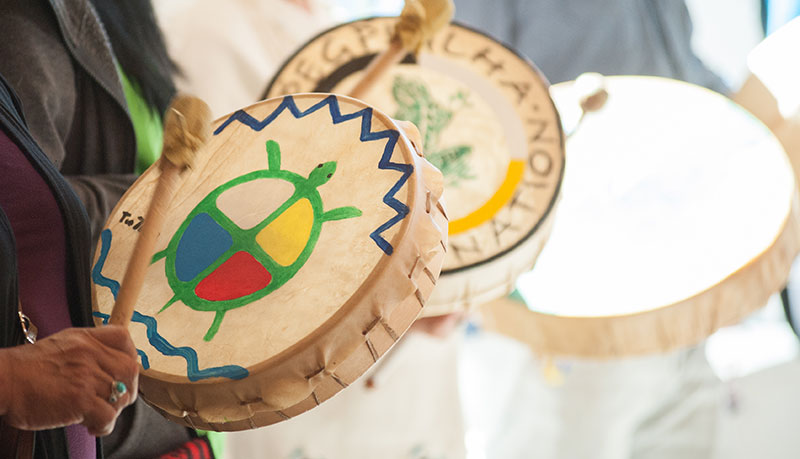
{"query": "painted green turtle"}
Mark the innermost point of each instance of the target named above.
(213, 264)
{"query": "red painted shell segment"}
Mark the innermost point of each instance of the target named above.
(239, 276)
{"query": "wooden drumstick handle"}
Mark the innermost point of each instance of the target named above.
(418, 21)
(378, 67)
(187, 127)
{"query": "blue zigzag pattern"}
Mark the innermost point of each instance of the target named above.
(366, 135)
(193, 372)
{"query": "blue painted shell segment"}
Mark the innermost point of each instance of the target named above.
(203, 242)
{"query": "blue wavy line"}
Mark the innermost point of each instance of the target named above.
(145, 360)
(156, 340)
(142, 355)
(366, 135)
(97, 271)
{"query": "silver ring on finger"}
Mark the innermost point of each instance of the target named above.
(118, 389)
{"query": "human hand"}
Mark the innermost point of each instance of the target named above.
(66, 379)
(438, 326)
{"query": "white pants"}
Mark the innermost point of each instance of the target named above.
(660, 406)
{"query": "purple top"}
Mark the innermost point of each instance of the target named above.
(42, 256)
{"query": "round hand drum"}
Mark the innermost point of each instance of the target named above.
(771, 91)
(487, 122)
(679, 215)
(301, 246)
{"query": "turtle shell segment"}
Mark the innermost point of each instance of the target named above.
(285, 237)
(257, 202)
(240, 275)
(203, 242)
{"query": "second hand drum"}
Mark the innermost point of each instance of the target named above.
(679, 216)
(487, 122)
(300, 247)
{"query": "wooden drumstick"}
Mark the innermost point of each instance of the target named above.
(592, 95)
(187, 127)
(418, 21)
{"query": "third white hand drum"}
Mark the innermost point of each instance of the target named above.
(487, 122)
(771, 91)
(299, 248)
(679, 216)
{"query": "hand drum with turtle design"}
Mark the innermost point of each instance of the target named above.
(301, 246)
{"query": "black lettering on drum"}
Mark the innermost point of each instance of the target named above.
(517, 202)
(535, 185)
(336, 55)
(521, 89)
(483, 55)
(500, 227)
(128, 220)
(460, 250)
(540, 162)
(305, 70)
(539, 126)
(448, 47)
(290, 88)
(365, 31)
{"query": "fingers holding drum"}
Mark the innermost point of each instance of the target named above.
(117, 394)
(115, 391)
(115, 337)
(116, 356)
(104, 402)
(118, 391)
(100, 416)
(84, 401)
(122, 369)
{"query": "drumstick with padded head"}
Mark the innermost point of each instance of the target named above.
(187, 127)
(592, 95)
(418, 21)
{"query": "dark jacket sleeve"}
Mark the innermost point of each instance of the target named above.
(99, 194)
(10, 334)
(36, 64)
(41, 70)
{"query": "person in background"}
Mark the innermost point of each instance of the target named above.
(58, 58)
(652, 406)
(566, 38)
(229, 51)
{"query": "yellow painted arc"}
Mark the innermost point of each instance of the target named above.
(493, 205)
(285, 237)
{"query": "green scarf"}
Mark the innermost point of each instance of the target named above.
(147, 125)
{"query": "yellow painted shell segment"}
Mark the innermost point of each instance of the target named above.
(285, 237)
(490, 208)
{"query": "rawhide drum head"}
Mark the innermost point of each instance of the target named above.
(299, 248)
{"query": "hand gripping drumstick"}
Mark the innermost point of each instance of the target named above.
(187, 127)
(418, 21)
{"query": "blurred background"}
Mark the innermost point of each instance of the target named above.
(478, 394)
(755, 362)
